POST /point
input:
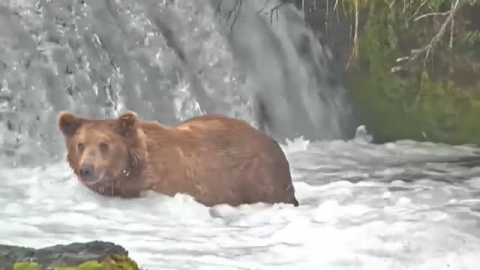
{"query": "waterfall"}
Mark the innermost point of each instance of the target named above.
(167, 60)
(288, 71)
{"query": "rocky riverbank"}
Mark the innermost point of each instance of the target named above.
(94, 255)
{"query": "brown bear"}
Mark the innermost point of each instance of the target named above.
(214, 159)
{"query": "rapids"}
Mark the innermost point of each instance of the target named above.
(363, 206)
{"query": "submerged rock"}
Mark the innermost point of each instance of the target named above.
(90, 255)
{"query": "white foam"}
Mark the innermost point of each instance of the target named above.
(384, 221)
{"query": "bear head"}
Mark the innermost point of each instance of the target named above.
(103, 153)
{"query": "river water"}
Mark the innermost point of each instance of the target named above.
(363, 206)
(402, 205)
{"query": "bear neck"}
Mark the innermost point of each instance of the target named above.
(135, 166)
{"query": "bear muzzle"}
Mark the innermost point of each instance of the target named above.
(88, 173)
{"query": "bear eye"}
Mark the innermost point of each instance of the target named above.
(80, 147)
(103, 147)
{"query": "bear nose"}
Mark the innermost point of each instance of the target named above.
(87, 171)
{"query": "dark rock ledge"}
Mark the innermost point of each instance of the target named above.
(94, 255)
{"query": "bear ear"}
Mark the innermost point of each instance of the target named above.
(128, 123)
(68, 123)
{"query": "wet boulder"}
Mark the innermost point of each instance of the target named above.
(89, 255)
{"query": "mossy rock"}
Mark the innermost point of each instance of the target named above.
(75, 256)
(110, 263)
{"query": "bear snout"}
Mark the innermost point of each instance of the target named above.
(87, 172)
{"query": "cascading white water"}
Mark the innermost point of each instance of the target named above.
(167, 60)
(288, 70)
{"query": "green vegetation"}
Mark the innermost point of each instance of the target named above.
(110, 263)
(26, 266)
(415, 72)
